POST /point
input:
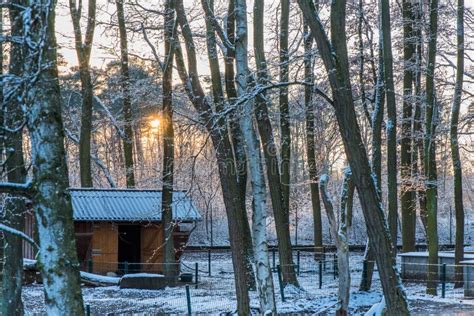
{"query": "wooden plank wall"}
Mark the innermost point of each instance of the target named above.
(28, 251)
(105, 247)
(152, 251)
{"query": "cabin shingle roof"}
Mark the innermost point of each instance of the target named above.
(129, 205)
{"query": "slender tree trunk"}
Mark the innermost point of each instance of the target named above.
(407, 190)
(52, 204)
(285, 113)
(418, 152)
(126, 101)
(2, 137)
(169, 267)
(83, 51)
(334, 56)
(339, 233)
(275, 183)
(431, 120)
(377, 120)
(14, 208)
(391, 122)
(263, 274)
(458, 203)
(310, 143)
(363, 95)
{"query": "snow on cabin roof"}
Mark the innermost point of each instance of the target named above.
(129, 205)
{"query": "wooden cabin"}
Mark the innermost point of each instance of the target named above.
(120, 230)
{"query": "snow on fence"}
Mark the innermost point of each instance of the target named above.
(212, 287)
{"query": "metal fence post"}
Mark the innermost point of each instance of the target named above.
(196, 271)
(320, 274)
(273, 259)
(209, 261)
(443, 280)
(125, 267)
(298, 262)
(334, 266)
(188, 299)
(280, 282)
(324, 258)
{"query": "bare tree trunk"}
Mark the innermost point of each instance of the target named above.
(275, 183)
(418, 151)
(126, 101)
(377, 120)
(227, 152)
(310, 143)
(263, 274)
(83, 51)
(237, 147)
(431, 120)
(339, 233)
(407, 190)
(14, 208)
(362, 61)
(391, 122)
(169, 268)
(334, 56)
(2, 137)
(285, 115)
(458, 202)
(51, 201)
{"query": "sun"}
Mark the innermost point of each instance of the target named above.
(155, 123)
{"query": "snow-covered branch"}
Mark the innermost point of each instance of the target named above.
(220, 32)
(23, 189)
(261, 89)
(12, 231)
(111, 117)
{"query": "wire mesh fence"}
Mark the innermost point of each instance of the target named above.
(206, 282)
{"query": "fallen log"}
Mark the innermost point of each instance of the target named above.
(87, 278)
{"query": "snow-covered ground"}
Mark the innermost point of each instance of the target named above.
(215, 293)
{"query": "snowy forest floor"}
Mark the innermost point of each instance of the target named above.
(215, 294)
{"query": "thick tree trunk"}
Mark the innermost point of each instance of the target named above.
(14, 208)
(458, 203)
(431, 181)
(52, 204)
(230, 172)
(169, 268)
(126, 101)
(236, 144)
(237, 147)
(263, 274)
(407, 190)
(275, 183)
(83, 51)
(376, 159)
(391, 125)
(310, 143)
(334, 56)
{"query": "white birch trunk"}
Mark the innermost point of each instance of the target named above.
(262, 269)
(339, 233)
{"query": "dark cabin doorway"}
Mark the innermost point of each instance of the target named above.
(129, 247)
